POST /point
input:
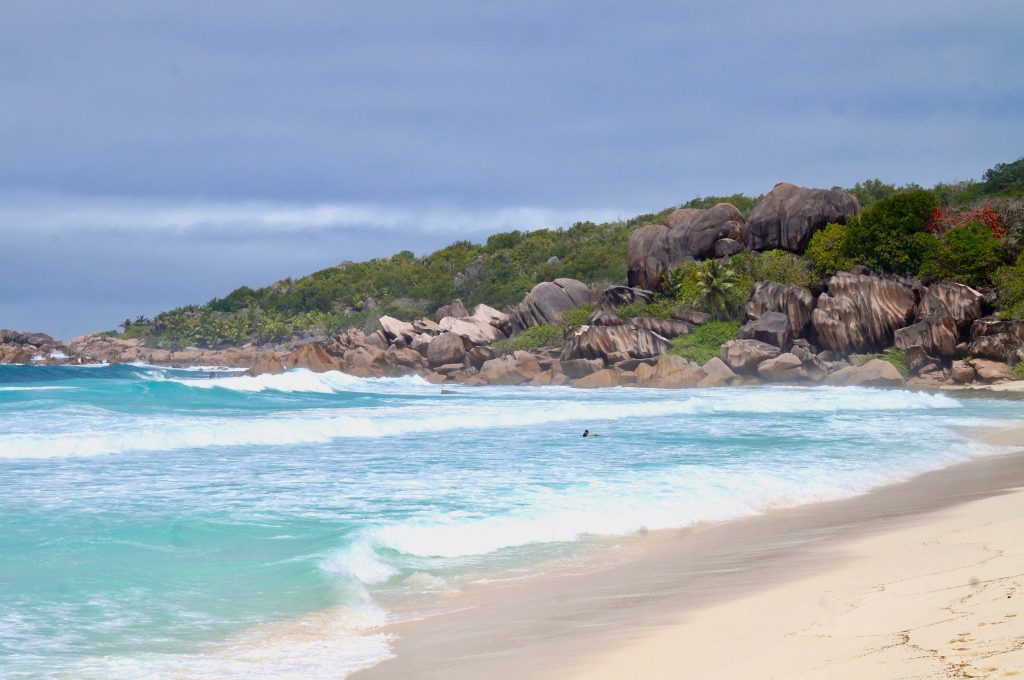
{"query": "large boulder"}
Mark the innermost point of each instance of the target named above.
(510, 369)
(455, 310)
(772, 328)
(690, 316)
(546, 302)
(873, 373)
(616, 296)
(688, 234)
(606, 377)
(577, 368)
(266, 362)
(314, 357)
(447, 348)
(783, 368)
(789, 215)
(491, 316)
(743, 356)
(605, 317)
(670, 372)
(997, 339)
(717, 374)
(474, 330)
(393, 329)
(602, 342)
(796, 302)
(990, 371)
(935, 335)
(961, 303)
(861, 313)
(365, 362)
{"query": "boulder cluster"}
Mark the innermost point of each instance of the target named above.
(784, 219)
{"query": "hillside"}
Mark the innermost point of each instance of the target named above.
(499, 272)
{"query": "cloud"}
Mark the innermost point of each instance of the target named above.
(49, 213)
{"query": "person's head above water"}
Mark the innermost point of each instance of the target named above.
(586, 432)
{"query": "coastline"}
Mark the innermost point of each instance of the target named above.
(698, 595)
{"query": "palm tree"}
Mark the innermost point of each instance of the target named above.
(714, 283)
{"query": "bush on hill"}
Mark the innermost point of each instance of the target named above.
(890, 235)
(825, 251)
(704, 341)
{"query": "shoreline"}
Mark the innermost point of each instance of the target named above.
(588, 624)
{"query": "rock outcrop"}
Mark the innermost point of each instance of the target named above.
(796, 302)
(861, 313)
(446, 348)
(744, 356)
(546, 302)
(313, 357)
(671, 372)
(935, 336)
(996, 339)
(873, 373)
(602, 342)
(771, 327)
(688, 234)
(789, 215)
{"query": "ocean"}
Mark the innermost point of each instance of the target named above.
(161, 523)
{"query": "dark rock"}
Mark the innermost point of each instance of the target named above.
(631, 364)
(795, 302)
(789, 215)
(616, 296)
(688, 234)
(772, 328)
(918, 359)
(726, 247)
(997, 339)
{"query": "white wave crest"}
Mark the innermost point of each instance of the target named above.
(298, 380)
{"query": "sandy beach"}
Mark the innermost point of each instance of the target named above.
(922, 579)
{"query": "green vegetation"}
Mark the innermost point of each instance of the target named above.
(548, 335)
(660, 307)
(825, 251)
(745, 204)
(1009, 282)
(711, 287)
(969, 254)
(774, 265)
(896, 233)
(704, 341)
(896, 357)
(890, 235)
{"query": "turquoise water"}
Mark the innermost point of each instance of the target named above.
(162, 523)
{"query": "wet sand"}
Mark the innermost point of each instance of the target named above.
(725, 600)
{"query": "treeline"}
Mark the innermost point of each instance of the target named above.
(502, 270)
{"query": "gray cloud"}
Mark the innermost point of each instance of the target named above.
(393, 114)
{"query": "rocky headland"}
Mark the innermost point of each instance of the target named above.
(837, 331)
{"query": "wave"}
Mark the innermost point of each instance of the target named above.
(37, 388)
(298, 380)
(311, 426)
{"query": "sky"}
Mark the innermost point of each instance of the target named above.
(154, 154)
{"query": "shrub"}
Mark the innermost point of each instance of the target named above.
(711, 287)
(575, 317)
(535, 337)
(704, 341)
(825, 250)
(660, 307)
(897, 358)
(969, 254)
(774, 265)
(891, 235)
(1009, 281)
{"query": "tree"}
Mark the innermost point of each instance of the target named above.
(714, 283)
(891, 234)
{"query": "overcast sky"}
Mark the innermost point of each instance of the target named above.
(154, 154)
